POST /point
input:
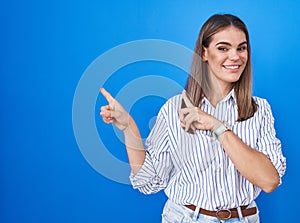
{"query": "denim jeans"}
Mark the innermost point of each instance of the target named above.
(174, 213)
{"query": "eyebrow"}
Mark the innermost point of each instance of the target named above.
(228, 44)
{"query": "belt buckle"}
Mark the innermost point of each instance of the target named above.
(223, 210)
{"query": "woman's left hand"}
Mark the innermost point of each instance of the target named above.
(194, 118)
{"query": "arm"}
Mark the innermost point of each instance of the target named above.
(254, 165)
(151, 170)
(116, 114)
(134, 146)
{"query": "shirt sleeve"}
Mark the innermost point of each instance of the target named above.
(268, 143)
(155, 172)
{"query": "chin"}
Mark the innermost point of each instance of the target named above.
(233, 78)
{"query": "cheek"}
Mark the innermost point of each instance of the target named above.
(215, 59)
(244, 57)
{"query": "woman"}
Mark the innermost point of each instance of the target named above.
(213, 148)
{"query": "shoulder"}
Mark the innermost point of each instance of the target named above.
(172, 106)
(173, 102)
(263, 106)
(260, 101)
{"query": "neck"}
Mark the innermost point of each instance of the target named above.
(218, 92)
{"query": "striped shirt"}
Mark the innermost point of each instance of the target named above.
(194, 168)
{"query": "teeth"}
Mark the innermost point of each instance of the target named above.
(232, 67)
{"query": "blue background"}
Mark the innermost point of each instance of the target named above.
(46, 47)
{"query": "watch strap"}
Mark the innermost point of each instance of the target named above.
(220, 130)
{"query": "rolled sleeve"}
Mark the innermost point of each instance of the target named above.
(268, 143)
(155, 171)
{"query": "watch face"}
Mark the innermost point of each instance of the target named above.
(227, 126)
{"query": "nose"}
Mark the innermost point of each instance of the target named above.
(234, 55)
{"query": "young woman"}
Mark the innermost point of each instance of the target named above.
(213, 148)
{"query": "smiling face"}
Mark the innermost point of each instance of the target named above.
(226, 57)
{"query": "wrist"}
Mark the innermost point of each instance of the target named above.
(126, 125)
(216, 125)
(130, 127)
(221, 129)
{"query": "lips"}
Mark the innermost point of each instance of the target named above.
(232, 67)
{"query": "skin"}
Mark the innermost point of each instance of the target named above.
(114, 113)
(226, 57)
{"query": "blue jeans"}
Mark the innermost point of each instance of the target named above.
(174, 213)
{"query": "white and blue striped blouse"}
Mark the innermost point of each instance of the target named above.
(193, 168)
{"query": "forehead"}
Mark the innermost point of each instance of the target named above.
(229, 34)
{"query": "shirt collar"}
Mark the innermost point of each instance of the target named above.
(230, 97)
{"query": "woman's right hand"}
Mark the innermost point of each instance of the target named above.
(114, 112)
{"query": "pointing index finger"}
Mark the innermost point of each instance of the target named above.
(107, 95)
(186, 99)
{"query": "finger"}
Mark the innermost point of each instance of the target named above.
(186, 99)
(197, 125)
(182, 124)
(107, 95)
(181, 115)
(184, 112)
(189, 120)
(108, 120)
(189, 130)
(104, 108)
(106, 114)
(106, 117)
(193, 127)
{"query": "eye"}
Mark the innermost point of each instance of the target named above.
(221, 48)
(242, 48)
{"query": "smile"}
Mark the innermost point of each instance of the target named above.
(232, 67)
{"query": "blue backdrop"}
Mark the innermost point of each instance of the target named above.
(47, 46)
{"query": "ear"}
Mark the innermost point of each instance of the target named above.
(204, 54)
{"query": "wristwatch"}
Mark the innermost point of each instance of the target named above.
(221, 129)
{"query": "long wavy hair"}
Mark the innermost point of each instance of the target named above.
(198, 85)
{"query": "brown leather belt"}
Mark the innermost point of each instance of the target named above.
(225, 214)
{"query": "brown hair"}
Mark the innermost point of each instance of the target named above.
(198, 81)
